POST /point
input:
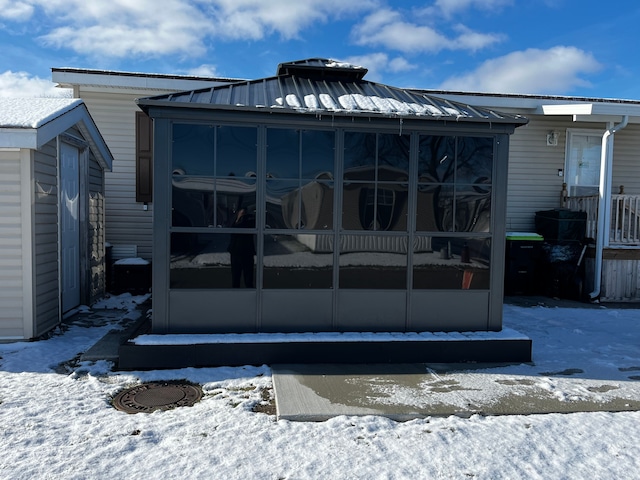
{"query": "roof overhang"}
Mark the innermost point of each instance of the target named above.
(34, 138)
(595, 112)
(129, 82)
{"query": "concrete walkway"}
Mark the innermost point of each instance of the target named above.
(407, 391)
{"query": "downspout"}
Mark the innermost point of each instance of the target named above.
(604, 203)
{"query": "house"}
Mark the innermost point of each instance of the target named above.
(52, 244)
(110, 97)
(562, 143)
(580, 154)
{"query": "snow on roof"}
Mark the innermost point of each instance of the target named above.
(33, 112)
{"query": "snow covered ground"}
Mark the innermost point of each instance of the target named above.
(57, 421)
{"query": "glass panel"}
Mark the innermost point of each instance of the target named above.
(436, 159)
(283, 153)
(192, 201)
(474, 160)
(298, 261)
(393, 157)
(291, 206)
(359, 156)
(427, 208)
(373, 261)
(316, 205)
(282, 204)
(237, 151)
(233, 194)
(366, 207)
(192, 151)
(443, 203)
(451, 263)
(317, 154)
(203, 261)
(583, 164)
(473, 209)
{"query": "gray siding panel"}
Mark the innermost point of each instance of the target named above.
(46, 246)
(11, 268)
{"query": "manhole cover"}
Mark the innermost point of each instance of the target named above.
(153, 396)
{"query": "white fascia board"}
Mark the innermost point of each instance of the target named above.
(134, 83)
(586, 109)
(18, 138)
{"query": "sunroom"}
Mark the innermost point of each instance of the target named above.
(315, 201)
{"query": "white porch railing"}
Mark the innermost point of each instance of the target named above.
(625, 217)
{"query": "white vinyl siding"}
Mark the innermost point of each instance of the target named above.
(127, 223)
(626, 160)
(12, 319)
(534, 183)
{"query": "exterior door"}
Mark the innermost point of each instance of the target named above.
(584, 150)
(70, 226)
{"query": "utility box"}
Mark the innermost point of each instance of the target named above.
(523, 254)
(132, 275)
(561, 225)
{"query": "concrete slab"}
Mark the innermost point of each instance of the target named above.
(408, 391)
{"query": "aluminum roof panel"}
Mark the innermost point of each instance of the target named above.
(312, 91)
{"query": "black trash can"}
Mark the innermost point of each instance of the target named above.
(523, 254)
(561, 225)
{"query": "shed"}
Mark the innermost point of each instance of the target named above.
(363, 207)
(52, 248)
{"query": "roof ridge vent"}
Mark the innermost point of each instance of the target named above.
(323, 68)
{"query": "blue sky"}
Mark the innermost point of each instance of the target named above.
(581, 48)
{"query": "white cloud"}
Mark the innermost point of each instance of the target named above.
(387, 29)
(22, 84)
(204, 70)
(12, 10)
(378, 63)
(449, 7)
(553, 71)
(255, 19)
(118, 28)
(121, 28)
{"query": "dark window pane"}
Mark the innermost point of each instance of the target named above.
(283, 153)
(282, 203)
(474, 160)
(436, 160)
(451, 263)
(204, 261)
(298, 261)
(473, 208)
(427, 208)
(236, 151)
(292, 206)
(380, 208)
(359, 156)
(373, 261)
(393, 157)
(192, 151)
(192, 201)
(233, 194)
(317, 154)
(444, 208)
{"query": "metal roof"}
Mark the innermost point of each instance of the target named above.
(317, 86)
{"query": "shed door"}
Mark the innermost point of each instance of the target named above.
(70, 226)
